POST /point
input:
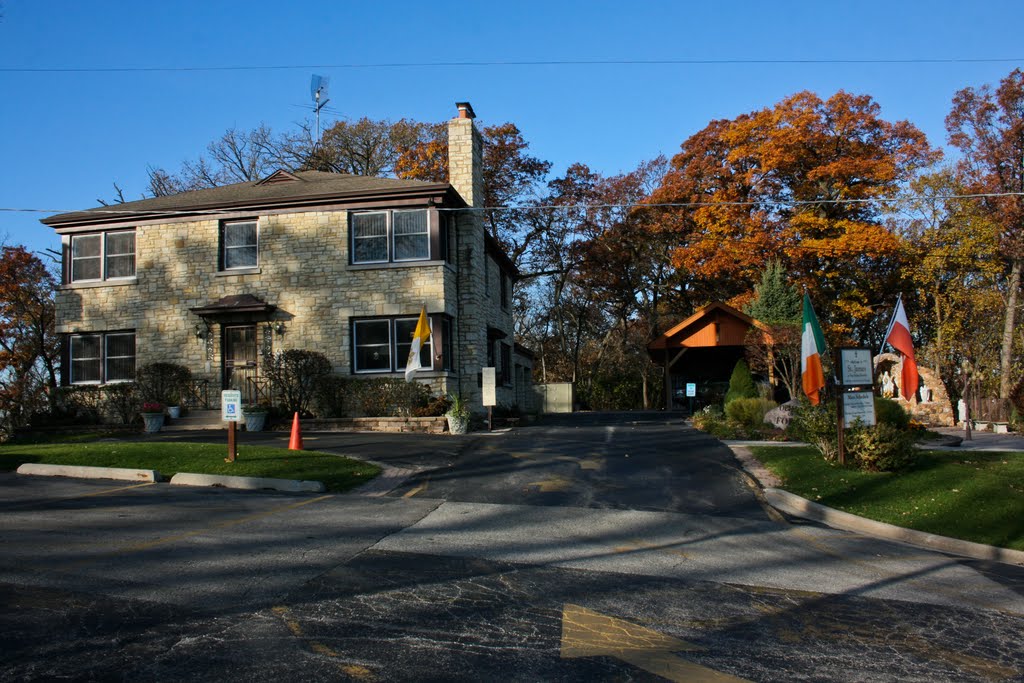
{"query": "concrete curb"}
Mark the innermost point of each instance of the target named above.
(86, 472)
(792, 504)
(249, 483)
(801, 507)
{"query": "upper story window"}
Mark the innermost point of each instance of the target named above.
(239, 245)
(506, 291)
(102, 357)
(390, 236)
(103, 256)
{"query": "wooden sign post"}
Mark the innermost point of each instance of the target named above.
(231, 412)
(855, 400)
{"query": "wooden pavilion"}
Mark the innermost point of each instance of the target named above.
(702, 350)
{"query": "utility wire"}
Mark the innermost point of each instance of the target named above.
(523, 62)
(906, 199)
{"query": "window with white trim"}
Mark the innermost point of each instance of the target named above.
(390, 236)
(371, 340)
(239, 245)
(102, 357)
(103, 256)
(383, 344)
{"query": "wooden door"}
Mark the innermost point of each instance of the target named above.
(240, 360)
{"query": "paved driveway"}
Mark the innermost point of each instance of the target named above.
(540, 554)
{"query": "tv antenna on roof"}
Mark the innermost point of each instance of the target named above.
(318, 90)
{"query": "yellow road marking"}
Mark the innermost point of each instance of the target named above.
(353, 670)
(553, 484)
(591, 464)
(83, 495)
(412, 492)
(146, 545)
(292, 625)
(635, 544)
(586, 633)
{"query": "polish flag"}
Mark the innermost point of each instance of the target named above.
(898, 337)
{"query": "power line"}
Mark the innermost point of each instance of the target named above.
(906, 199)
(515, 63)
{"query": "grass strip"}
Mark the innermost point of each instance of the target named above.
(336, 472)
(974, 496)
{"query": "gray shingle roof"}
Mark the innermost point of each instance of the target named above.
(309, 187)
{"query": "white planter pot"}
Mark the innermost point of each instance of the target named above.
(174, 412)
(457, 424)
(154, 422)
(254, 422)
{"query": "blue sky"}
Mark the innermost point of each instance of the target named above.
(67, 136)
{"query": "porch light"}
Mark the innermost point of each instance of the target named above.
(200, 331)
(279, 328)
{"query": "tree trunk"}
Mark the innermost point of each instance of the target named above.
(1006, 350)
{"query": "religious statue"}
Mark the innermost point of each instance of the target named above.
(888, 385)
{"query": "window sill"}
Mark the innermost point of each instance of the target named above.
(394, 264)
(238, 271)
(422, 374)
(120, 282)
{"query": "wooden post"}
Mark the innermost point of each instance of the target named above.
(232, 453)
(841, 454)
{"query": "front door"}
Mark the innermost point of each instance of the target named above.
(240, 360)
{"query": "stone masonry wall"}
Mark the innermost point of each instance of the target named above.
(303, 270)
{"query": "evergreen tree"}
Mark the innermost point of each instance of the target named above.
(775, 300)
(741, 384)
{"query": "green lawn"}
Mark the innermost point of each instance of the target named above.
(336, 472)
(969, 495)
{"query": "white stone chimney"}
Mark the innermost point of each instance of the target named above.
(465, 156)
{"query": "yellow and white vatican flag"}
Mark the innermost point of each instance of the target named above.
(420, 337)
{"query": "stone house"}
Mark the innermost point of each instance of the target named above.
(340, 264)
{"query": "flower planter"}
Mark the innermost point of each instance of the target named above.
(174, 412)
(154, 422)
(254, 422)
(458, 424)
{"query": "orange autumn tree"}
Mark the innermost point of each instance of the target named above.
(795, 183)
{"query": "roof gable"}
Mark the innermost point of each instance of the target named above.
(717, 324)
(279, 176)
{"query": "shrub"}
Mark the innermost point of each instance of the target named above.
(330, 396)
(889, 412)
(749, 412)
(387, 397)
(437, 407)
(882, 448)
(122, 400)
(817, 426)
(741, 383)
(711, 420)
(296, 375)
(162, 382)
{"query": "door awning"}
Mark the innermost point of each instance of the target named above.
(235, 304)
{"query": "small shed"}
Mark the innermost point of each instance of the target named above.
(702, 350)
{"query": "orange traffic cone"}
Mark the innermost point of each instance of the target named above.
(295, 443)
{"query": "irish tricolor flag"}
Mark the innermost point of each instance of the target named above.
(419, 338)
(898, 337)
(812, 345)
